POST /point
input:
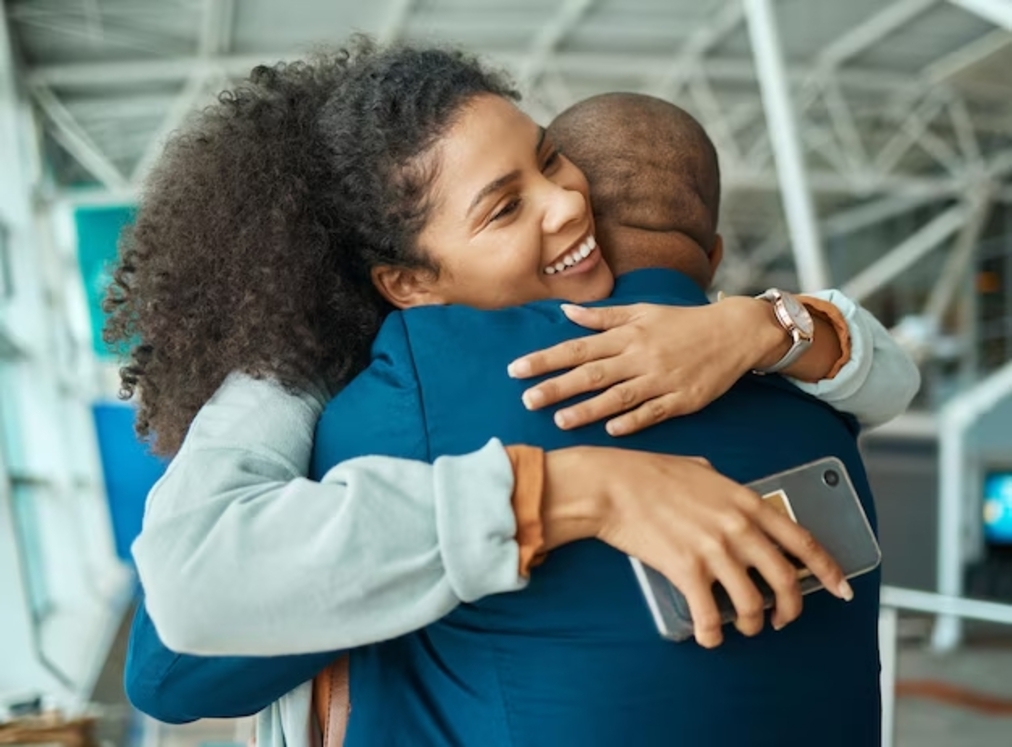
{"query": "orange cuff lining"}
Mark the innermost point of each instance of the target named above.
(528, 490)
(834, 317)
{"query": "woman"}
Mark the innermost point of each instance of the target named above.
(349, 215)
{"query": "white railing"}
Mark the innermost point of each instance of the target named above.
(895, 599)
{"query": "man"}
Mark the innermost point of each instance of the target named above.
(575, 659)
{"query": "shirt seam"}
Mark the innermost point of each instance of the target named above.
(418, 387)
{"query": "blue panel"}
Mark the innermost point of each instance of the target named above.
(998, 508)
(98, 231)
(129, 469)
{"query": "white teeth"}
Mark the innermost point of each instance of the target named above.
(581, 252)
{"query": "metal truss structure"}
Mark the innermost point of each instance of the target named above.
(853, 143)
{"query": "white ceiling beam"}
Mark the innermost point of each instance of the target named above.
(966, 134)
(827, 182)
(998, 12)
(215, 39)
(871, 31)
(967, 56)
(548, 38)
(69, 134)
(908, 253)
(960, 258)
(133, 39)
(216, 27)
(711, 33)
(915, 124)
(868, 214)
(999, 165)
(806, 243)
(607, 66)
(393, 25)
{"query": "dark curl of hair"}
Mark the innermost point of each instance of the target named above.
(257, 229)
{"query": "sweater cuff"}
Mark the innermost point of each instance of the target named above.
(528, 488)
(835, 318)
(476, 524)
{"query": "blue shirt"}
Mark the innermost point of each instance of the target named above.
(573, 659)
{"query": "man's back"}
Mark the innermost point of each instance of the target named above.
(575, 659)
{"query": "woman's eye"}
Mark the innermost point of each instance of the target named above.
(508, 209)
(553, 158)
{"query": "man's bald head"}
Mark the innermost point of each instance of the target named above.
(650, 164)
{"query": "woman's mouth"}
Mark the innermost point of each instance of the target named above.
(576, 259)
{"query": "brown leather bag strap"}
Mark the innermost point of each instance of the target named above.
(332, 702)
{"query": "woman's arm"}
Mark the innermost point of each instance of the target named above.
(655, 362)
(234, 514)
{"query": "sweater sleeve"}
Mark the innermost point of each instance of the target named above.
(240, 554)
(880, 379)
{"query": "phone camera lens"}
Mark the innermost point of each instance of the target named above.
(831, 477)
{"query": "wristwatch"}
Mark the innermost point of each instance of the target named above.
(796, 321)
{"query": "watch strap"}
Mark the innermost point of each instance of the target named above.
(800, 341)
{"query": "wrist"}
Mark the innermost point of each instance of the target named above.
(575, 499)
(765, 340)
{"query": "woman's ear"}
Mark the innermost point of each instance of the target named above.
(405, 287)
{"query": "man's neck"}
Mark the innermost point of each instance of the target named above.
(631, 249)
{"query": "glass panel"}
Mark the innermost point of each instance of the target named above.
(26, 525)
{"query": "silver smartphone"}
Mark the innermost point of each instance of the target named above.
(820, 497)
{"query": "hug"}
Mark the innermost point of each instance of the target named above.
(342, 298)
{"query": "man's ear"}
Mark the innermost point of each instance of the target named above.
(405, 287)
(716, 255)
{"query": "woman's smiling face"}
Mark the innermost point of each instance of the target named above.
(509, 219)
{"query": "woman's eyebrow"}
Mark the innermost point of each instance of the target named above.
(502, 181)
(493, 186)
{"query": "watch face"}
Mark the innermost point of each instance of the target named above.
(799, 313)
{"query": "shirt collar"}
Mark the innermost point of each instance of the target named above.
(657, 281)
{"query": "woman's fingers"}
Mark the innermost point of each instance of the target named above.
(615, 399)
(707, 625)
(569, 354)
(649, 413)
(602, 317)
(746, 599)
(800, 543)
(589, 377)
(782, 578)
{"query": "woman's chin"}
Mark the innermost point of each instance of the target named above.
(594, 286)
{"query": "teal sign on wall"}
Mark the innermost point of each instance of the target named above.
(98, 230)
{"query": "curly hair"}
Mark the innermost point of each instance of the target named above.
(257, 229)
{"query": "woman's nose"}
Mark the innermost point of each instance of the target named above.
(563, 207)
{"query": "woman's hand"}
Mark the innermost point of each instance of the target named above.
(681, 517)
(655, 362)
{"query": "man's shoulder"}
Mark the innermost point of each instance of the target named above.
(379, 411)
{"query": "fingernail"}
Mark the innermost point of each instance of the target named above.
(519, 369)
(778, 626)
(561, 418)
(533, 398)
(844, 591)
(569, 308)
(614, 428)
